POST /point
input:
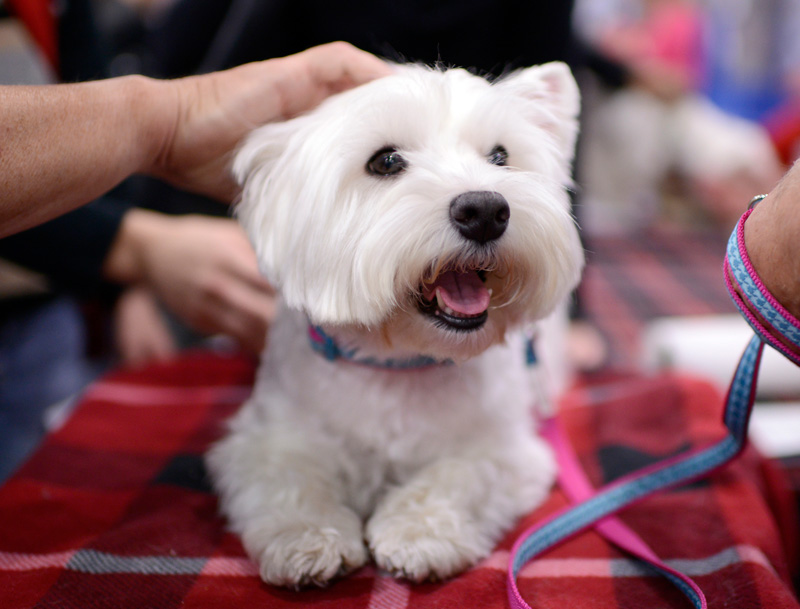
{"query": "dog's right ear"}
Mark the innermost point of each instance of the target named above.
(257, 209)
(261, 149)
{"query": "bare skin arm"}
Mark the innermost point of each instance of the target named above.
(772, 238)
(64, 145)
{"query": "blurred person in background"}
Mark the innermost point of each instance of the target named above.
(662, 124)
(754, 65)
(752, 55)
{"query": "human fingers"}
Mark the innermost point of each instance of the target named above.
(316, 73)
(219, 316)
(243, 301)
(139, 330)
(244, 312)
(240, 260)
(340, 64)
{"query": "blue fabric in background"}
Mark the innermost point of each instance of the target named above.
(747, 53)
(42, 362)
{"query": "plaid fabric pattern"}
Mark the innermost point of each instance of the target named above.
(634, 279)
(114, 510)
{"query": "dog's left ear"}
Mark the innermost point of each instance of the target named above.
(554, 99)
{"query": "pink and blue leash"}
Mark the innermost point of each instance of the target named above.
(596, 508)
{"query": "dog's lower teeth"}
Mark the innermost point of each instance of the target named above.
(448, 311)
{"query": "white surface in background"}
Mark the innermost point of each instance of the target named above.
(775, 428)
(710, 347)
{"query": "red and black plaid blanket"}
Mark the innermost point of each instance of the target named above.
(114, 510)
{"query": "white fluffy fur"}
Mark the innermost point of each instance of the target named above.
(331, 461)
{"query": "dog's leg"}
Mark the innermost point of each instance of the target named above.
(452, 513)
(285, 497)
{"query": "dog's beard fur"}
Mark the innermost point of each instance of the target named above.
(437, 463)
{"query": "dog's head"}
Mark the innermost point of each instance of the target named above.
(430, 204)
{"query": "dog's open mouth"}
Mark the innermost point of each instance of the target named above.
(457, 300)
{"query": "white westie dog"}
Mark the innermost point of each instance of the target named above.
(410, 224)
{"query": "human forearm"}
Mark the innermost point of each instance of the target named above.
(64, 145)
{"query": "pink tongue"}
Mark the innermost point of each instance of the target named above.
(462, 292)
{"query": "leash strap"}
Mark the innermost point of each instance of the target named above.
(575, 484)
(595, 508)
(768, 318)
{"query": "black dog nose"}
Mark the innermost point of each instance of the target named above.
(480, 215)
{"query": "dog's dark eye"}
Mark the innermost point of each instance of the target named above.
(386, 162)
(498, 156)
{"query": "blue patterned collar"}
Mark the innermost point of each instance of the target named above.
(326, 346)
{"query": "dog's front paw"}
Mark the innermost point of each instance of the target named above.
(303, 552)
(428, 542)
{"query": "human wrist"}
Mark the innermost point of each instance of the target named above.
(772, 239)
(154, 110)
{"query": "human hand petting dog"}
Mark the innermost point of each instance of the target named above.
(64, 145)
(213, 112)
(203, 269)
